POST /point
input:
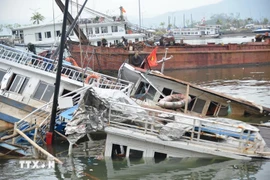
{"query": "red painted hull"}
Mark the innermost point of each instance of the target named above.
(184, 57)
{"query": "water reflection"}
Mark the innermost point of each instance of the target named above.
(171, 168)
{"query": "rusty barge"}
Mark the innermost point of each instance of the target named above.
(184, 57)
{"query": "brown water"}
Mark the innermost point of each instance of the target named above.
(250, 83)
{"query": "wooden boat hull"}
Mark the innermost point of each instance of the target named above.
(184, 57)
(206, 102)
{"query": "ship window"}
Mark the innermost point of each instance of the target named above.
(118, 151)
(89, 30)
(48, 34)
(159, 157)
(19, 83)
(188, 32)
(57, 33)
(104, 29)
(196, 32)
(223, 111)
(198, 105)
(38, 36)
(2, 73)
(145, 91)
(96, 30)
(135, 154)
(136, 40)
(44, 92)
(114, 28)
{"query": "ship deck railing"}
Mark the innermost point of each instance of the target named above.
(68, 71)
(221, 136)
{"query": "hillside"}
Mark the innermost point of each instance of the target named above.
(257, 10)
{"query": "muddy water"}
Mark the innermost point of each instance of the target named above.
(250, 83)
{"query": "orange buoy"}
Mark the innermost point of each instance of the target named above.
(94, 76)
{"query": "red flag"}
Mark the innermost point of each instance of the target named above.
(152, 58)
(123, 10)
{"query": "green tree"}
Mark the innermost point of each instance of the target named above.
(265, 21)
(37, 17)
(249, 20)
(219, 22)
(162, 24)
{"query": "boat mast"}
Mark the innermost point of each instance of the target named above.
(50, 134)
(140, 21)
(71, 27)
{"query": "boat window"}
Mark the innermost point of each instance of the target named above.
(57, 33)
(151, 93)
(198, 105)
(89, 30)
(44, 92)
(223, 111)
(38, 36)
(48, 34)
(18, 84)
(166, 92)
(158, 156)
(114, 28)
(104, 29)
(118, 151)
(145, 91)
(2, 73)
(135, 154)
(96, 30)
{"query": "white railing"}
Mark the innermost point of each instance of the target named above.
(220, 135)
(41, 117)
(72, 72)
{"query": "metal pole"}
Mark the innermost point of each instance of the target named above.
(140, 16)
(163, 63)
(58, 77)
(71, 27)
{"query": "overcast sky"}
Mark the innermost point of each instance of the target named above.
(20, 11)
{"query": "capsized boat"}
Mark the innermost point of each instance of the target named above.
(27, 87)
(134, 131)
(152, 87)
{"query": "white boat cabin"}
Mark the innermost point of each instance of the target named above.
(27, 82)
(49, 34)
(199, 31)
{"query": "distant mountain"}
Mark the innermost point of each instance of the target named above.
(255, 9)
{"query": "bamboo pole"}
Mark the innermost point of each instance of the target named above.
(186, 99)
(35, 135)
(37, 146)
(14, 132)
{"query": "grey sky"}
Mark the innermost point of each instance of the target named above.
(20, 11)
